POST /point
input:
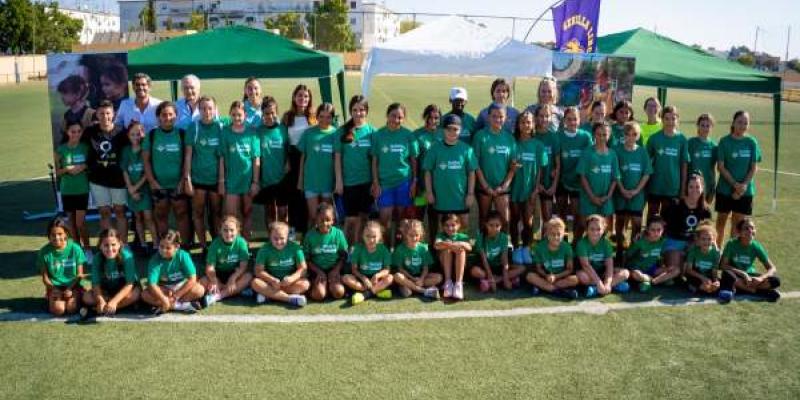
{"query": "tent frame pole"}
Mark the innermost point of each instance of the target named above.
(776, 110)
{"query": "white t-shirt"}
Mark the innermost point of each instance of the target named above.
(128, 112)
(296, 130)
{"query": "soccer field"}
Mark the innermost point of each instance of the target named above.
(706, 351)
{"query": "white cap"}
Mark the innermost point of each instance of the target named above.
(458, 93)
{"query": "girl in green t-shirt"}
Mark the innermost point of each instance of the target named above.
(621, 115)
(370, 266)
(635, 170)
(596, 257)
(325, 250)
(598, 170)
(115, 282)
(670, 157)
(597, 114)
(71, 158)
(573, 141)
(495, 150)
(274, 141)
(644, 258)
(452, 247)
(227, 262)
(240, 168)
(280, 271)
(316, 175)
(139, 201)
(525, 186)
(739, 270)
(61, 263)
(426, 136)
(554, 271)
(702, 261)
(411, 261)
(492, 249)
(551, 170)
(172, 278)
(703, 154)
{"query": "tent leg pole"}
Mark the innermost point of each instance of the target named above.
(173, 89)
(776, 109)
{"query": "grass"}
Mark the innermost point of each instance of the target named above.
(709, 352)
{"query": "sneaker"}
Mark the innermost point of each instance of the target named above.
(356, 298)
(570, 293)
(622, 287)
(458, 291)
(208, 300)
(384, 294)
(297, 300)
(484, 286)
(404, 291)
(156, 311)
(725, 296)
(248, 292)
(292, 234)
(431, 293)
(535, 291)
(771, 295)
(448, 289)
(645, 287)
(261, 299)
(85, 313)
(196, 306)
(591, 291)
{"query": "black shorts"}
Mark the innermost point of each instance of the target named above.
(546, 197)
(630, 213)
(726, 204)
(277, 194)
(357, 200)
(207, 188)
(561, 191)
(75, 202)
(166, 194)
(662, 199)
(112, 288)
(223, 276)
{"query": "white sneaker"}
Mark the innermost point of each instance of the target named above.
(261, 299)
(458, 291)
(448, 289)
(431, 292)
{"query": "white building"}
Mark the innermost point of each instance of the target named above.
(94, 22)
(371, 23)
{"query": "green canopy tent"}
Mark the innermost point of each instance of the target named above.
(664, 63)
(238, 52)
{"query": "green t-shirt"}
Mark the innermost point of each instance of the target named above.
(412, 260)
(617, 135)
(368, 263)
(704, 263)
(737, 155)
(356, 167)
(643, 253)
(495, 151)
(633, 166)
(667, 153)
(166, 156)
(554, 262)
(280, 263)
(597, 254)
(393, 149)
(467, 126)
(572, 147)
(324, 250)
(239, 150)
(703, 159)
(649, 130)
(133, 163)
(532, 159)
(61, 265)
(317, 147)
(552, 147)
(252, 114)
(204, 141)
(744, 257)
(274, 148)
(492, 248)
(69, 157)
(426, 139)
(600, 170)
(168, 272)
(449, 166)
(109, 273)
(227, 256)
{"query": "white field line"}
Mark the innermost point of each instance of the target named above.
(780, 172)
(583, 307)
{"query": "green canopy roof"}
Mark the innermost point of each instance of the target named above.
(663, 62)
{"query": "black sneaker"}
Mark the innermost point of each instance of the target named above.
(156, 311)
(771, 295)
(85, 313)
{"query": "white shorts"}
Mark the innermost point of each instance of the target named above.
(105, 196)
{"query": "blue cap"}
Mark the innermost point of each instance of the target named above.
(451, 119)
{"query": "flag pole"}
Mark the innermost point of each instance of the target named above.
(536, 21)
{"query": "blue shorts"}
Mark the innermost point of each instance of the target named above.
(675, 245)
(398, 196)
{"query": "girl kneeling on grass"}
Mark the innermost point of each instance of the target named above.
(596, 256)
(738, 266)
(554, 272)
(325, 249)
(492, 250)
(370, 263)
(61, 262)
(411, 260)
(226, 263)
(280, 269)
(452, 247)
(172, 278)
(702, 261)
(115, 282)
(644, 259)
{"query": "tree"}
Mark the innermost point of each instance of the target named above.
(147, 17)
(794, 64)
(168, 23)
(329, 26)
(27, 27)
(408, 25)
(197, 21)
(747, 59)
(289, 25)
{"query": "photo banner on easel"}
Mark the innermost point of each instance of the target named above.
(585, 78)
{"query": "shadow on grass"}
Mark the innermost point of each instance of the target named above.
(18, 264)
(25, 304)
(17, 197)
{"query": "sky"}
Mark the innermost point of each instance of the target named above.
(717, 23)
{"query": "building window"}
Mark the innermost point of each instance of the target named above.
(316, 5)
(352, 21)
(352, 4)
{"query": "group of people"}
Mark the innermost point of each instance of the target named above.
(391, 186)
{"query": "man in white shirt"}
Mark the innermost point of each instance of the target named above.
(142, 108)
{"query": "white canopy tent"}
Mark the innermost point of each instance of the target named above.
(455, 46)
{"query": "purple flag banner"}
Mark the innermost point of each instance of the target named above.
(575, 22)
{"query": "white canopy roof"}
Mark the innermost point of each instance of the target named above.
(455, 46)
